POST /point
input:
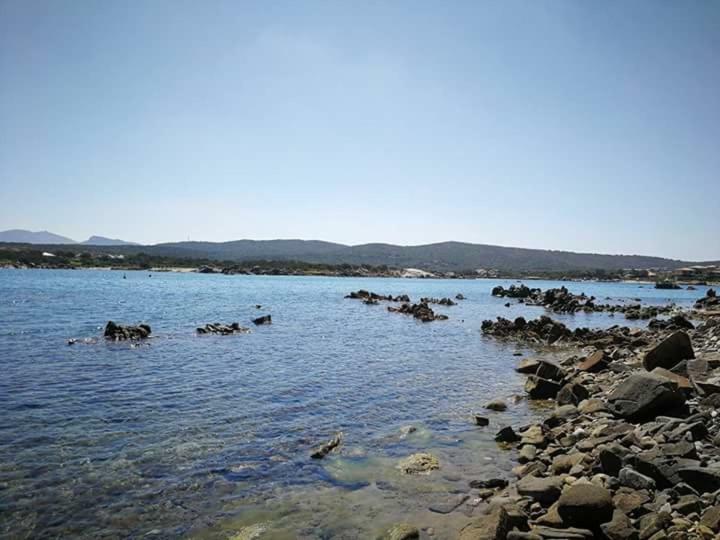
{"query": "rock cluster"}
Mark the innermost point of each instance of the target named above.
(631, 451)
(373, 298)
(709, 301)
(439, 301)
(514, 291)
(118, 332)
(222, 329)
(420, 311)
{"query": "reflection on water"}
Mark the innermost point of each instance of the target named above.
(210, 436)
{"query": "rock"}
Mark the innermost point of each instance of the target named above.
(539, 388)
(653, 523)
(528, 366)
(570, 533)
(633, 479)
(323, 450)
(420, 311)
(585, 505)
(619, 528)
(682, 382)
(630, 501)
(459, 296)
(534, 435)
(564, 462)
(481, 420)
(401, 531)
(644, 396)
(507, 435)
(702, 479)
(549, 370)
(223, 329)
(543, 490)
(711, 518)
(597, 361)
(450, 504)
(494, 526)
(420, 463)
(119, 332)
(611, 459)
(688, 504)
(591, 406)
(492, 483)
(265, 319)
(527, 453)
(496, 405)
(670, 351)
(572, 394)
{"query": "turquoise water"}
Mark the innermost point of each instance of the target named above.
(206, 436)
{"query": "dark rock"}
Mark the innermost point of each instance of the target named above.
(550, 371)
(528, 366)
(611, 459)
(539, 388)
(119, 332)
(633, 479)
(481, 420)
(496, 405)
(688, 504)
(572, 394)
(323, 450)
(265, 319)
(223, 329)
(420, 311)
(669, 352)
(507, 435)
(585, 505)
(644, 396)
(492, 483)
(703, 479)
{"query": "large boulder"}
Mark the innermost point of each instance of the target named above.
(585, 505)
(703, 479)
(644, 396)
(493, 526)
(669, 352)
(543, 490)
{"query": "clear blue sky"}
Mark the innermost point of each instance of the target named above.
(581, 125)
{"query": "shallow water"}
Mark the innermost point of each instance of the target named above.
(209, 436)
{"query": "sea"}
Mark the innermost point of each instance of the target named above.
(207, 436)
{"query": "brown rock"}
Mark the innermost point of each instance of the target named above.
(669, 352)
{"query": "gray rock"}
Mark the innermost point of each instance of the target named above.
(619, 528)
(543, 490)
(633, 479)
(572, 394)
(644, 396)
(585, 505)
(669, 352)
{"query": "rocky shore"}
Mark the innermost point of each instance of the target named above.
(561, 300)
(631, 449)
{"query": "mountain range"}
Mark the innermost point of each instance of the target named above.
(23, 236)
(443, 256)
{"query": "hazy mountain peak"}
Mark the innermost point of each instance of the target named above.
(23, 236)
(105, 241)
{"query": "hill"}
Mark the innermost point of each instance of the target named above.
(104, 241)
(34, 237)
(443, 256)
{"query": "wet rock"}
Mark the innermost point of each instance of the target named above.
(507, 435)
(534, 435)
(459, 296)
(644, 396)
(672, 350)
(419, 311)
(496, 405)
(528, 366)
(439, 301)
(450, 504)
(481, 420)
(633, 479)
(585, 505)
(223, 329)
(572, 394)
(494, 526)
(420, 463)
(119, 332)
(492, 483)
(514, 291)
(543, 490)
(549, 370)
(539, 388)
(527, 453)
(265, 319)
(323, 450)
(597, 361)
(401, 531)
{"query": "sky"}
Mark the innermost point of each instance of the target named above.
(574, 125)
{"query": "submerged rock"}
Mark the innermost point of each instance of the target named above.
(323, 450)
(119, 332)
(420, 463)
(401, 531)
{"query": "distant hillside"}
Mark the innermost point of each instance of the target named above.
(34, 237)
(104, 241)
(444, 256)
